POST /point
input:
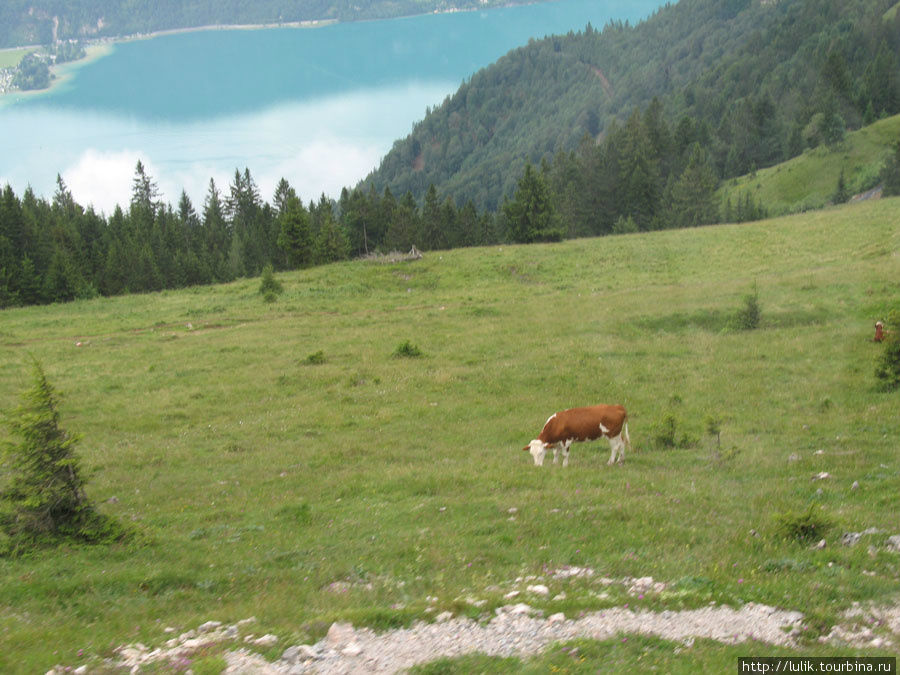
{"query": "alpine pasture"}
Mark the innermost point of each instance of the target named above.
(292, 461)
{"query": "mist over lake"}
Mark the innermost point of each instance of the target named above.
(318, 106)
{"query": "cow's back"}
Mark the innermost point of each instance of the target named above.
(583, 424)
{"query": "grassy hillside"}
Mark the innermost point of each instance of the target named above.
(810, 180)
(281, 462)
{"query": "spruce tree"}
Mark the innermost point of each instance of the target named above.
(42, 496)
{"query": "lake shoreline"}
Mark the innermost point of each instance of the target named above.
(99, 47)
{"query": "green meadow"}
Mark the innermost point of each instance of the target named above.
(353, 450)
(9, 58)
(809, 181)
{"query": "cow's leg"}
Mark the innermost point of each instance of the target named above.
(617, 445)
(612, 454)
(566, 453)
(555, 452)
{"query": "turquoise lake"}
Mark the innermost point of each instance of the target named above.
(318, 106)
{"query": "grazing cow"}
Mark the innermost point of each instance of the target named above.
(879, 332)
(582, 424)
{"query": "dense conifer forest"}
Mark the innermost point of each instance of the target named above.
(752, 82)
(625, 129)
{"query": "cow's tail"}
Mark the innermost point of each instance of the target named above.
(625, 436)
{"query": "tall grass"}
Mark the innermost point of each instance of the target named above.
(360, 487)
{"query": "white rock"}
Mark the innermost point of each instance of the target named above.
(308, 652)
(267, 640)
(340, 634)
(443, 616)
(209, 625)
(539, 589)
(511, 595)
(353, 649)
(291, 654)
(559, 617)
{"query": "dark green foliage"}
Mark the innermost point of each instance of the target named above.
(887, 367)
(270, 288)
(890, 173)
(407, 350)
(758, 83)
(529, 216)
(841, 194)
(802, 526)
(42, 496)
(315, 359)
(667, 434)
(749, 316)
(32, 73)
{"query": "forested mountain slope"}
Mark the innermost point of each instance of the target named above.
(26, 22)
(757, 82)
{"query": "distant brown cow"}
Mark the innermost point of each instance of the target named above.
(879, 332)
(582, 424)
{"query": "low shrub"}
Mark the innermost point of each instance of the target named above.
(803, 526)
(407, 350)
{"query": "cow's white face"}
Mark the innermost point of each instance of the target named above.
(537, 450)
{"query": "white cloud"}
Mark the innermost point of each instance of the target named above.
(318, 146)
(104, 179)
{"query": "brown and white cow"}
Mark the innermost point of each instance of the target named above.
(582, 424)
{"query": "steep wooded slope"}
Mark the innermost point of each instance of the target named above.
(762, 79)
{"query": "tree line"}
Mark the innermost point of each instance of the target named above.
(644, 176)
(57, 250)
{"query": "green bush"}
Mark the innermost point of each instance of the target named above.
(407, 350)
(802, 526)
(748, 317)
(315, 359)
(887, 367)
(270, 288)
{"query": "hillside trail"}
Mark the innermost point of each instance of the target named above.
(514, 631)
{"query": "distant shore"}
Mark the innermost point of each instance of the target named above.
(96, 48)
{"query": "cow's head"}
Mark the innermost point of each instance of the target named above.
(537, 450)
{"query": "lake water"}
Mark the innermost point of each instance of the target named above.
(318, 106)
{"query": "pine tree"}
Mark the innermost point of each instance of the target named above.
(295, 238)
(529, 216)
(42, 497)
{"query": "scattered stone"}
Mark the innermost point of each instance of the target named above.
(353, 649)
(819, 546)
(850, 538)
(822, 475)
(556, 618)
(511, 595)
(267, 640)
(855, 485)
(893, 543)
(340, 634)
(291, 654)
(443, 616)
(539, 589)
(209, 626)
(794, 457)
